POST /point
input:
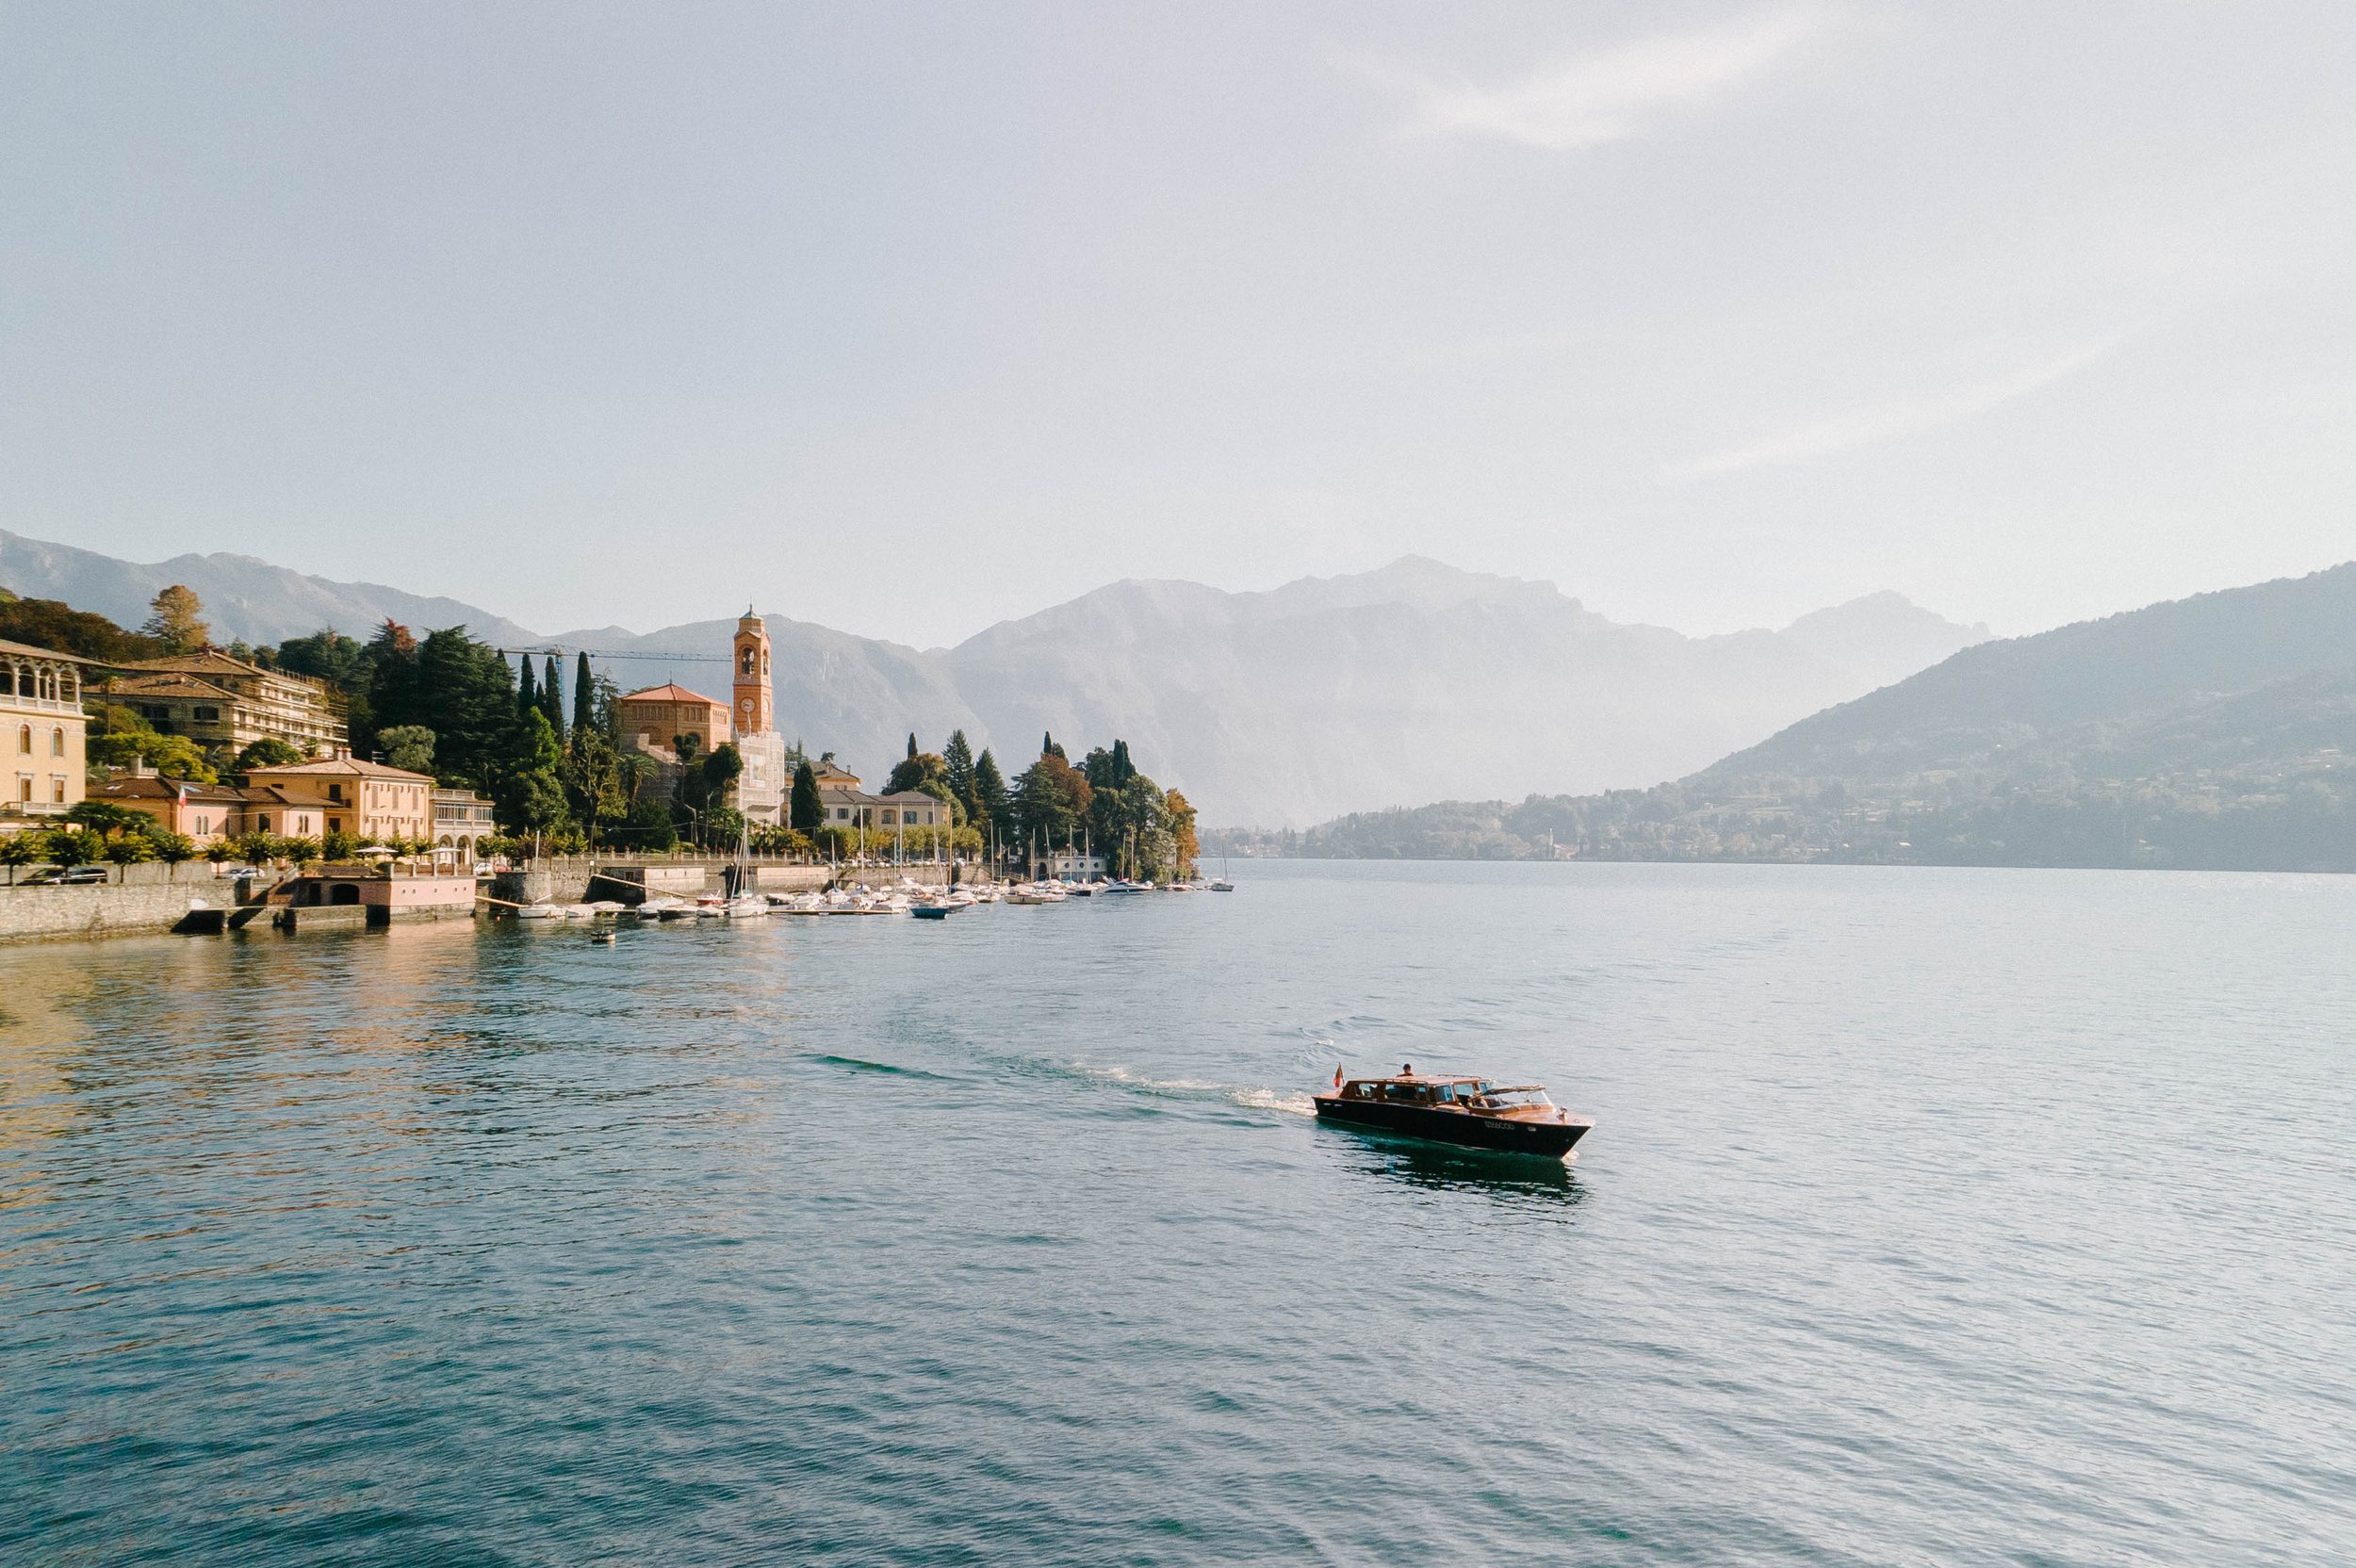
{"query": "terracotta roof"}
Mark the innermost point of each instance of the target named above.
(340, 767)
(203, 661)
(824, 770)
(152, 787)
(29, 651)
(674, 692)
(169, 684)
(835, 794)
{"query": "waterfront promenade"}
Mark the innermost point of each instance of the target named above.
(198, 897)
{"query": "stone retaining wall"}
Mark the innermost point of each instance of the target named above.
(146, 898)
(582, 881)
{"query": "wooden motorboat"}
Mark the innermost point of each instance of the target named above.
(1475, 1112)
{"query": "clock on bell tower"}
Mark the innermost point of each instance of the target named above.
(756, 708)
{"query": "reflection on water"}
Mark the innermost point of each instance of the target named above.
(1536, 1183)
(1010, 1239)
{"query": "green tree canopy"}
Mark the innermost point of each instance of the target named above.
(1110, 770)
(53, 624)
(1051, 799)
(328, 655)
(552, 695)
(806, 812)
(995, 801)
(268, 752)
(585, 695)
(648, 825)
(460, 689)
(915, 771)
(957, 759)
(407, 745)
(124, 738)
(529, 796)
(105, 816)
(19, 850)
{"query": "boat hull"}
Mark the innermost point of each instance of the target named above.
(1499, 1135)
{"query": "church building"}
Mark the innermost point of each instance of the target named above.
(762, 787)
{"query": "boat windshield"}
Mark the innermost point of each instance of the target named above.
(1491, 1098)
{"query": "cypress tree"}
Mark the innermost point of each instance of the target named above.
(526, 698)
(584, 697)
(806, 811)
(911, 745)
(552, 696)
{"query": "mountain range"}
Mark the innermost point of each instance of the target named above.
(2216, 732)
(1322, 696)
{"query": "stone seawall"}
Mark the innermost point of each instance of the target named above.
(156, 897)
(587, 881)
(150, 897)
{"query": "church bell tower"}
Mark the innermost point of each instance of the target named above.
(756, 706)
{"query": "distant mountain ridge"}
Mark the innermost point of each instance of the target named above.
(1322, 696)
(2216, 732)
(1277, 705)
(244, 598)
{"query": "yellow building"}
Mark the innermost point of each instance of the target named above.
(41, 731)
(366, 800)
(461, 820)
(206, 813)
(216, 700)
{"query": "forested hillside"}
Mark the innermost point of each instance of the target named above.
(2211, 732)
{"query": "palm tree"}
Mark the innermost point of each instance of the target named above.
(637, 770)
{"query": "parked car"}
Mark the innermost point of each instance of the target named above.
(67, 876)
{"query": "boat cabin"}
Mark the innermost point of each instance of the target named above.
(1469, 1094)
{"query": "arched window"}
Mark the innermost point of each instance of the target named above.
(56, 742)
(25, 739)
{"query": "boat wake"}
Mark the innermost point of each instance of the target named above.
(1286, 1101)
(1291, 1102)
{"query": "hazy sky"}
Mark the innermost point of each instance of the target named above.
(909, 319)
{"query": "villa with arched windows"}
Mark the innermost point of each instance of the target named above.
(41, 731)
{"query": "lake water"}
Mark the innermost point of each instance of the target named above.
(1956, 1217)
